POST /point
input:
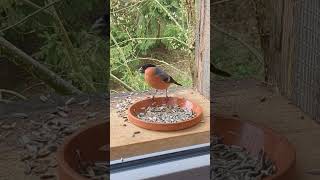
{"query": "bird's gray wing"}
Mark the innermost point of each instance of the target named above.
(163, 75)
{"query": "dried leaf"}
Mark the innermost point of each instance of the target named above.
(62, 114)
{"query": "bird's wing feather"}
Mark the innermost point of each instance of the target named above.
(163, 75)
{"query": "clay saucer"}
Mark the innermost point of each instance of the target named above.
(140, 106)
(88, 141)
(255, 137)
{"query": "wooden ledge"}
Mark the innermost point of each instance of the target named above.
(123, 145)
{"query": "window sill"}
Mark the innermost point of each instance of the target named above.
(123, 145)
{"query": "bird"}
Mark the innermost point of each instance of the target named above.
(219, 72)
(157, 78)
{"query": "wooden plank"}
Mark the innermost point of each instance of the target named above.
(201, 73)
(123, 145)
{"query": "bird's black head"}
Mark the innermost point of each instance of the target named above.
(144, 67)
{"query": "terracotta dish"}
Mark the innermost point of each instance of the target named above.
(88, 141)
(181, 102)
(254, 138)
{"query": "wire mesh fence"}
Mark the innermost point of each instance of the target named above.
(306, 76)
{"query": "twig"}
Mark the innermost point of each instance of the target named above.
(122, 83)
(171, 17)
(121, 52)
(29, 16)
(37, 6)
(14, 93)
(163, 62)
(5, 101)
(251, 49)
(42, 72)
(122, 9)
(32, 86)
(70, 51)
(132, 39)
(219, 2)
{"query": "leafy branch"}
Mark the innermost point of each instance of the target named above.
(29, 16)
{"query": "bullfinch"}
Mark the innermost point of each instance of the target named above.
(157, 78)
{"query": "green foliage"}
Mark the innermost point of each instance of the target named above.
(233, 57)
(138, 28)
(48, 42)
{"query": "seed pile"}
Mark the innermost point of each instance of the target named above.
(95, 171)
(234, 162)
(43, 137)
(123, 105)
(166, 114)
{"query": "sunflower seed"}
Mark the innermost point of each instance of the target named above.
(20, 115)
(69, 101)
(43, 98)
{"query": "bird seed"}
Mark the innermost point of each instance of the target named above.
(234, 162)
(166, 114)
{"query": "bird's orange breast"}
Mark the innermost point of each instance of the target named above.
(153, 80)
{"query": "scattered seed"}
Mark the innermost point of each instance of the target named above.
(313, 172)
(235, 115)
(234, 162)
(134, 133)
(104, 148)
(92, 115)
(27, 169)
(20, 115)
(85, 103)
(43, 98)
(166, 114)
(64, 109)
(263, 99)
(7, 126)
(62, 114)
(69, 101)
(43, 153)
(53, 163)
(25, 156)
(40, 169)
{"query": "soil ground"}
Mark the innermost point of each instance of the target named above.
(11, 165)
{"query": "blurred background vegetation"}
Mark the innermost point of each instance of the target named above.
(61, 37)
(150, 31)
(235, 41)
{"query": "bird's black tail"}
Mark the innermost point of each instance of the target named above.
(174, 82)
(217, 71)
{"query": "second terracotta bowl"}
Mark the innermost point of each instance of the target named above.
(88, 142)
(254, 137)
(181, 102)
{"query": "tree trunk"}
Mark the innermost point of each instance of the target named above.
(201, 74)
